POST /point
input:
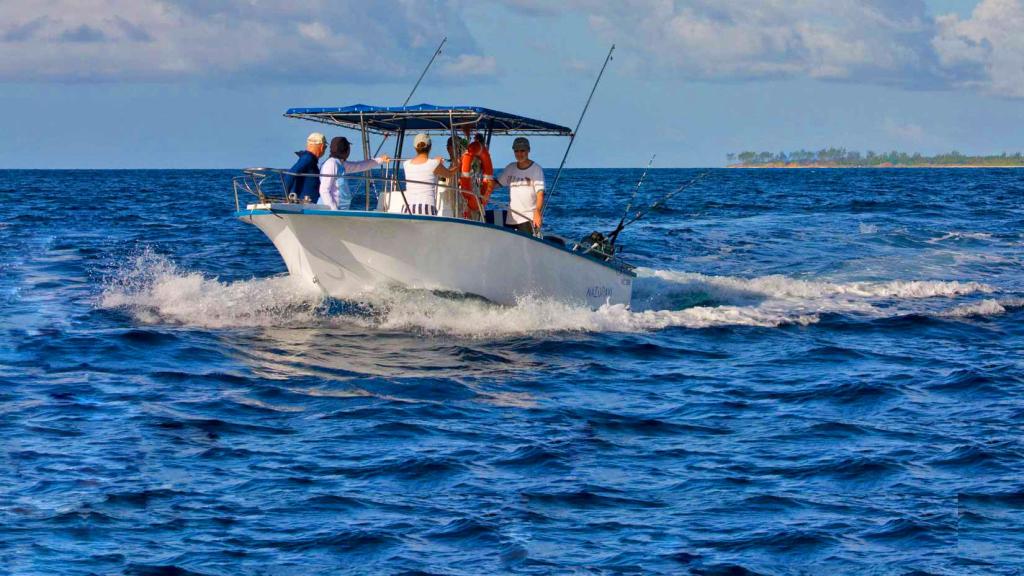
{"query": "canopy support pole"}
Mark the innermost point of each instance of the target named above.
(366, 154)
(397, 160)
(400, 137)
(456, 157)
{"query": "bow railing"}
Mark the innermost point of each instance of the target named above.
(270, 186)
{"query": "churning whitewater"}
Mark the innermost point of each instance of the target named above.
(154, 290)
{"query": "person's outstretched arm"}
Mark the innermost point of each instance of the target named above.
(364, 165)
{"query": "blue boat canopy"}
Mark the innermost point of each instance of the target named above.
(427, 118)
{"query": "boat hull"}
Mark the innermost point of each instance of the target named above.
(347, 252)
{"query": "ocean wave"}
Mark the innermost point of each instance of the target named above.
(987, 307)
(778, 286)
(154, 290)
(956, 236)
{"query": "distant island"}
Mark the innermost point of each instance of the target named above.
(843, 158)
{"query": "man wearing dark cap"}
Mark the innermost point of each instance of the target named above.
(525, 181)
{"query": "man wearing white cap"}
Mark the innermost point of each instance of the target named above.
(307, 188)
(525, 181)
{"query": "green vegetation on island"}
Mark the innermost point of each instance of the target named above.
(843, 158)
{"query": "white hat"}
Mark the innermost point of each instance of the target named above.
(316, 138)
(421, 138)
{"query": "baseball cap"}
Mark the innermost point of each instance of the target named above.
(316, 138)
(520, 144)
(421, 138)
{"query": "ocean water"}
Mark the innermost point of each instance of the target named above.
(820, 372)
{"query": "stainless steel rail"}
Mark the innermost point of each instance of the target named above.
(253, 182)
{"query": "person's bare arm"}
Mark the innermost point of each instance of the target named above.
(538, 217)
(444, 172)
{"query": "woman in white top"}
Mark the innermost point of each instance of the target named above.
(334, 192)
(421, 175)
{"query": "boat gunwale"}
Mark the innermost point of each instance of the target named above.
(617, 266)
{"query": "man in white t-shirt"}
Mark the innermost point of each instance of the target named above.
(525, 181)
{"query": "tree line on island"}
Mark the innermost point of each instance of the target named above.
(841, 157)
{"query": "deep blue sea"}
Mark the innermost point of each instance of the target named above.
(822, 372)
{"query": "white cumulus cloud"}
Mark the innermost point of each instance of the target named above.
(890, 42)
(469, 66)
(905, 131)
(987, 48)
(314, 40)
(884, 40)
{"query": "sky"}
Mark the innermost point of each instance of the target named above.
(204, 83)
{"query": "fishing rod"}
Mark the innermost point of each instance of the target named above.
(572, 137)
(605, 246)
(666, 198)
(415, 86)
(622, 223)
(404, 104)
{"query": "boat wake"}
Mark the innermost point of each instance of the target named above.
(153, 290)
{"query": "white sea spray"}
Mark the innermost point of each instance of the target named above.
(987, 307)
(954, 235)
(155, 290)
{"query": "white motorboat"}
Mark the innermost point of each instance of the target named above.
(345, 252)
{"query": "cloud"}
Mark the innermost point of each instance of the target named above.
(468, 66)
(889, 42)
(132, 32)
(882, 41)
(25, 31)
(231, 40)
(315, 31)
(83, 33)
(578, 66)
(987, 48)
(535, 7)
(905, 131)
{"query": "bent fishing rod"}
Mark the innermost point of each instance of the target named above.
(572, 138)
(644, 212)
(622, 223)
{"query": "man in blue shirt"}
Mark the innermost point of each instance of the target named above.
(307, 188)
